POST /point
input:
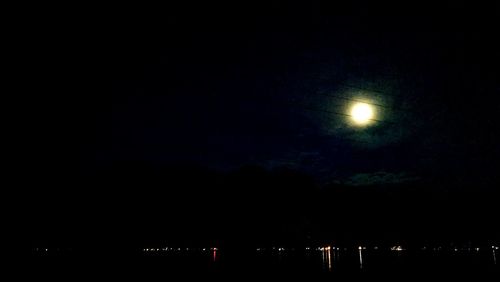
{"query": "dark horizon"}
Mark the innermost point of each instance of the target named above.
(195, 206)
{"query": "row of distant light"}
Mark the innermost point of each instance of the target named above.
(394, 248)
(52, 249)
(328, 248)
(176, 249)
(462, 249)
(307, 249)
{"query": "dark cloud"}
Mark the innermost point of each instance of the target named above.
(380, 178)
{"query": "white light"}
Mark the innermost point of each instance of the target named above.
(361, 113)
(397, 248)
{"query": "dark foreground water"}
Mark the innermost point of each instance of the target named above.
(315, 264)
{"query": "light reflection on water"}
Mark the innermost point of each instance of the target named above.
(360, 249)
(329, 259)
(494, 256)
(399, 257)
(319, 259)
(326, 258)
(329, 255)
(326, 255)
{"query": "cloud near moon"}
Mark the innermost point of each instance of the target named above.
(380, 177)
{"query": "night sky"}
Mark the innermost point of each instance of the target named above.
(263, 85)
(191, 87)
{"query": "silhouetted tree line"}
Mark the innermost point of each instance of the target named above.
(138, 204)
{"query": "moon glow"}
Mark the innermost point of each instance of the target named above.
(361, 113)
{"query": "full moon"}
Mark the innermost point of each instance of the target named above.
(361, 113)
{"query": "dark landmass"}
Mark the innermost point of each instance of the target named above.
(135, 204)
